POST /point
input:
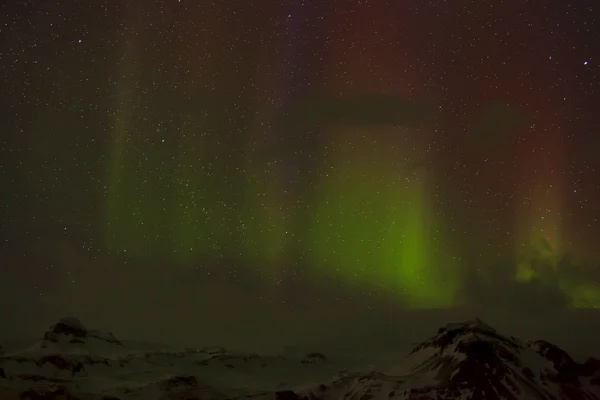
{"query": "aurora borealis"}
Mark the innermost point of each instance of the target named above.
(418, 154)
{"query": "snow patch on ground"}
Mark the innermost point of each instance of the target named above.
(463, 360)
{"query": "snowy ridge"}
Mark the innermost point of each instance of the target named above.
(469, 360)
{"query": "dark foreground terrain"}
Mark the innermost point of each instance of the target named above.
(468, 360)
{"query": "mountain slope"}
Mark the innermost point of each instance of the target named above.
(467, 360)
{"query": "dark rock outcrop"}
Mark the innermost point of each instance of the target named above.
(72, 331)
(288, 395)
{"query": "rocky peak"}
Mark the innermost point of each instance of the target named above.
(72, 331)
(465, 336)
(68, 326)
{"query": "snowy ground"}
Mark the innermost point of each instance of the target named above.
(465, 360)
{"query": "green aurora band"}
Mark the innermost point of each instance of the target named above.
(369, 225)
(374, 226)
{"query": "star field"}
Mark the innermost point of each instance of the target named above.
(301, 154)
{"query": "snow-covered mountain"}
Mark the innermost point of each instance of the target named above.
(467, 360)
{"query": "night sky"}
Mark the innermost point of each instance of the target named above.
(286, 161)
